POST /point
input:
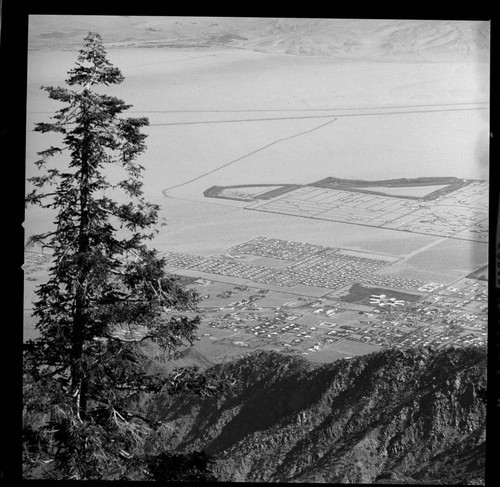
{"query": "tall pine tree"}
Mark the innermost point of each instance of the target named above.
(81, 371)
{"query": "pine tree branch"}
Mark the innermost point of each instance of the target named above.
(54, 372)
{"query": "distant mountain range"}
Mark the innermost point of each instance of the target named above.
(396, 416)
(373, 39)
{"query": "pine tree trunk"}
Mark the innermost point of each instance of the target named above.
(79, 374)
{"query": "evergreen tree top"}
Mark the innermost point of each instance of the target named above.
(92, 66)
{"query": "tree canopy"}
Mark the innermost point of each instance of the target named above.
(106, 292)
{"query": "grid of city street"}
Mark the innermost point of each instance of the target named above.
(357, 310)
(460, 214)
(245, 317)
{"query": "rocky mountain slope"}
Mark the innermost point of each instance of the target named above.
(410, 416)
(373, 39)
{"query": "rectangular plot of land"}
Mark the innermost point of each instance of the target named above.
(477, 231)
(402, 191)
(448, 216)
(445, 220)
(290, 210)
(308, 207)
(329, 198)
(294, 202)
(343, 214)
(318, 193)
(303, 194)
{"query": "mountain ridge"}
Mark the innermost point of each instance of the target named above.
(414, 412)
(350, 39)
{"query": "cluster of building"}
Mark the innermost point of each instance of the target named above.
(390, 335)
(383, 333)
(310, 265)
(291, 334)
(467, 290)
(313, 325)
(279, 249)
(272, 329)
(448, 316)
